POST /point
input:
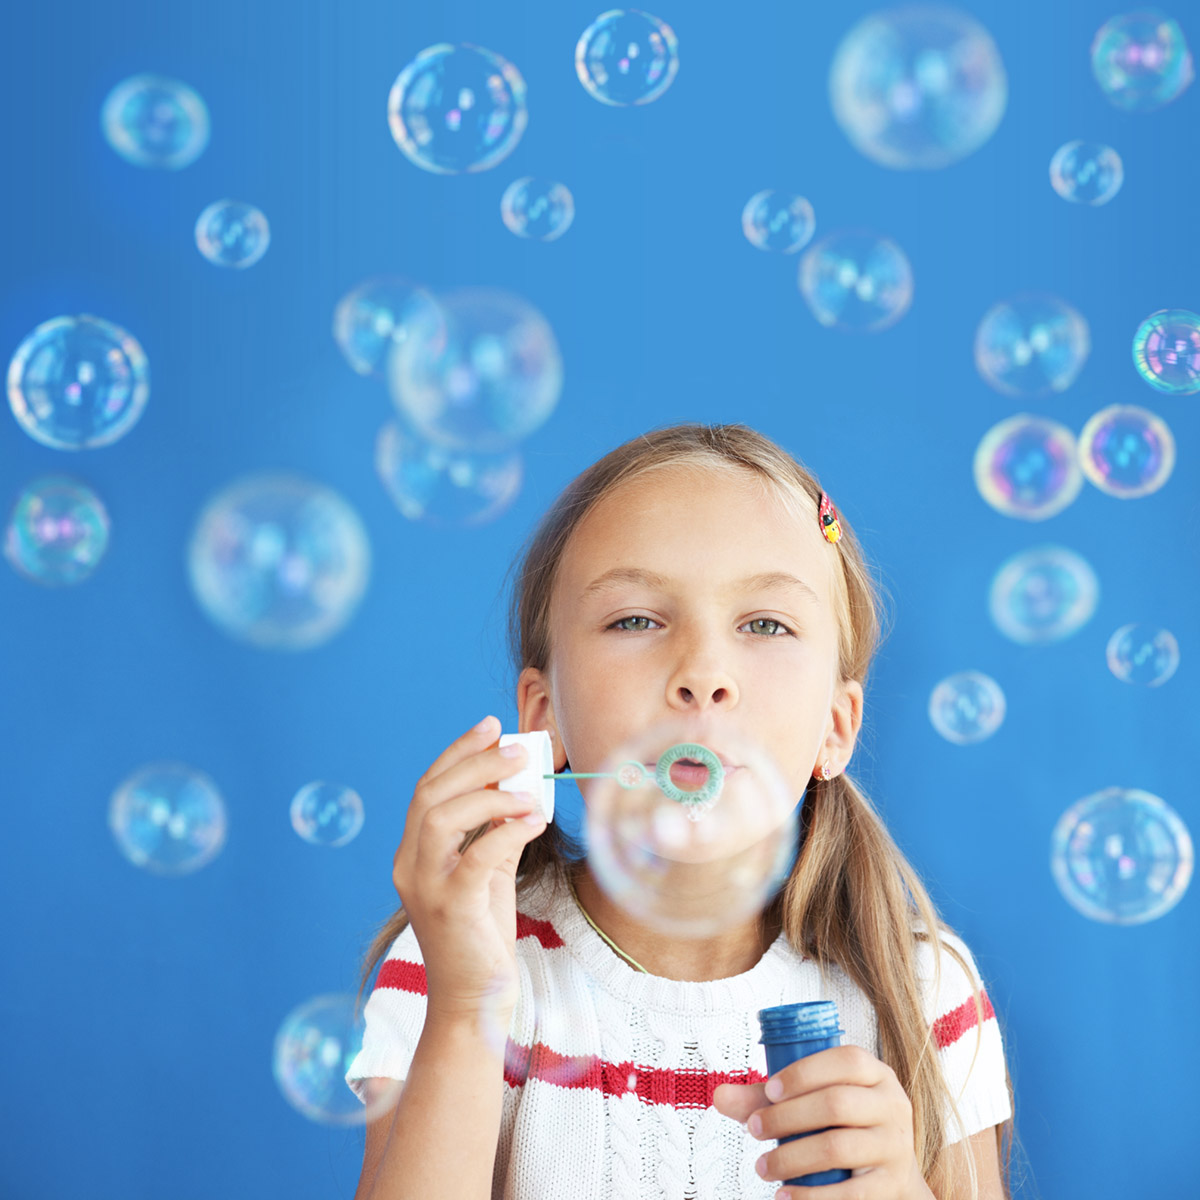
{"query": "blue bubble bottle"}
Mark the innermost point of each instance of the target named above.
(793, 1031)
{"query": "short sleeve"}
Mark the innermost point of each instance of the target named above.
(394, 1015)
(968, 1040)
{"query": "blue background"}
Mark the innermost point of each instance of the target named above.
(139, 1012)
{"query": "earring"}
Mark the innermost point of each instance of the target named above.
(824, 772)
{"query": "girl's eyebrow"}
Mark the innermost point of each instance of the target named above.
(762, 581)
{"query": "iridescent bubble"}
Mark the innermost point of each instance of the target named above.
(626, 56)
(484, 376)
(314, 1048)
(1043, 595)
(856, 280)
(327, 814)
(1166, 351)
(231, 233)
(1086, 172)
(537, 208)
(57, 532)
(168, 818)
(1028, 467)
(967, 707)
(1144, 654)
(445, 488)
(376, 314)
(457, 108)
(779, 221)
(152, 121)
(1127, 451)
(76, 383)
(1031, 345)
(918, 87)
(1141, 60)
(279, 561)
(1122, 856)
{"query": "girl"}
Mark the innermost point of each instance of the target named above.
(628, 1063)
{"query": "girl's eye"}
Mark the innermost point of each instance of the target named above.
(752, 621)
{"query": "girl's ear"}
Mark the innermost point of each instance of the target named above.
(847, 713)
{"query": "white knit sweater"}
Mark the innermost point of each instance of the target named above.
(628, 1115)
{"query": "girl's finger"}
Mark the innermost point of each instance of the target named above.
(739, 1100)
(442, 831)
(485, 854)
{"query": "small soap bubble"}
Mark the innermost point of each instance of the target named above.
(315, 1048)
(374, 316)
(1144, 654)
(57, 532)
(1141, 60)
(1127, 451)
(537, 208)
(327, 814)
(457, 108)
(626, 56)
(1122, 856)
(1031, 345)
(279, 561)
(856, 280)
(482, 377)
(152, 121)
(76, 383)
(168, 818)
(1166, 351)
(779, 221)
(231, 233)
(920, 86)
(1028, 467)
(1086, 172)
(967, 707)
(1043, 595)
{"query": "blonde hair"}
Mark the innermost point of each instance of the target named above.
(852, 899)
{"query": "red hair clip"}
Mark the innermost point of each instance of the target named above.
(831, 527)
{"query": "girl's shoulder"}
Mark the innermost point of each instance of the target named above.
(946, 970)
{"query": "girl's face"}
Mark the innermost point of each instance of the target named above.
(702, 644)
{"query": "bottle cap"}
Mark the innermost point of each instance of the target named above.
(539, 764)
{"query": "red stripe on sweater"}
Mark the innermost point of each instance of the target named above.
(949, 1027)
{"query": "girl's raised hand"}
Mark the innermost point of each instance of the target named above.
(463, 907)
(860, 1105)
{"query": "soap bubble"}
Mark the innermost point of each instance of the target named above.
(279, 561)
(152, 121)
(374, 315)
(1144, 654)
(58, 531)
(457, 108)
(1121, 855)
(690, 850)
(168, 818)
(918, 87)
(482, 377)
(1141, 60)
(856, 280)
(231, 233)
(314, 1048)
(779, 221)
(1028, 467)
(327, 814)
(1086, 172)
(537, 208)
(443, 487)
(1126, 451)
(76, 383)
(1043, 595)
(626, 56)
(967, 707)
(1031, 345)
(1166, 351)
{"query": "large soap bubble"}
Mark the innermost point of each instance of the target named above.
(1127, 451)
(152, 121)
(1031, 345)
(1141, 60)
(279, 561)
(457, 108)
(773, 220)
(168, 818)
(918, 87)
(483, 376)
(1142, 653)
(1121, 855)
(232, 233)
(76, 383)
(1028, 467)
(856, 280)
(1086, 172)
(1166, 351)
(376, 314)
(626, 56)
(327, 814)
(57, 532)
(1043, 595)
(967, 707)
(542, 209)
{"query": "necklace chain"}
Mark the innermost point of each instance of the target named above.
(571, 884)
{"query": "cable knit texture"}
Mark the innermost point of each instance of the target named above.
(609, 1072)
